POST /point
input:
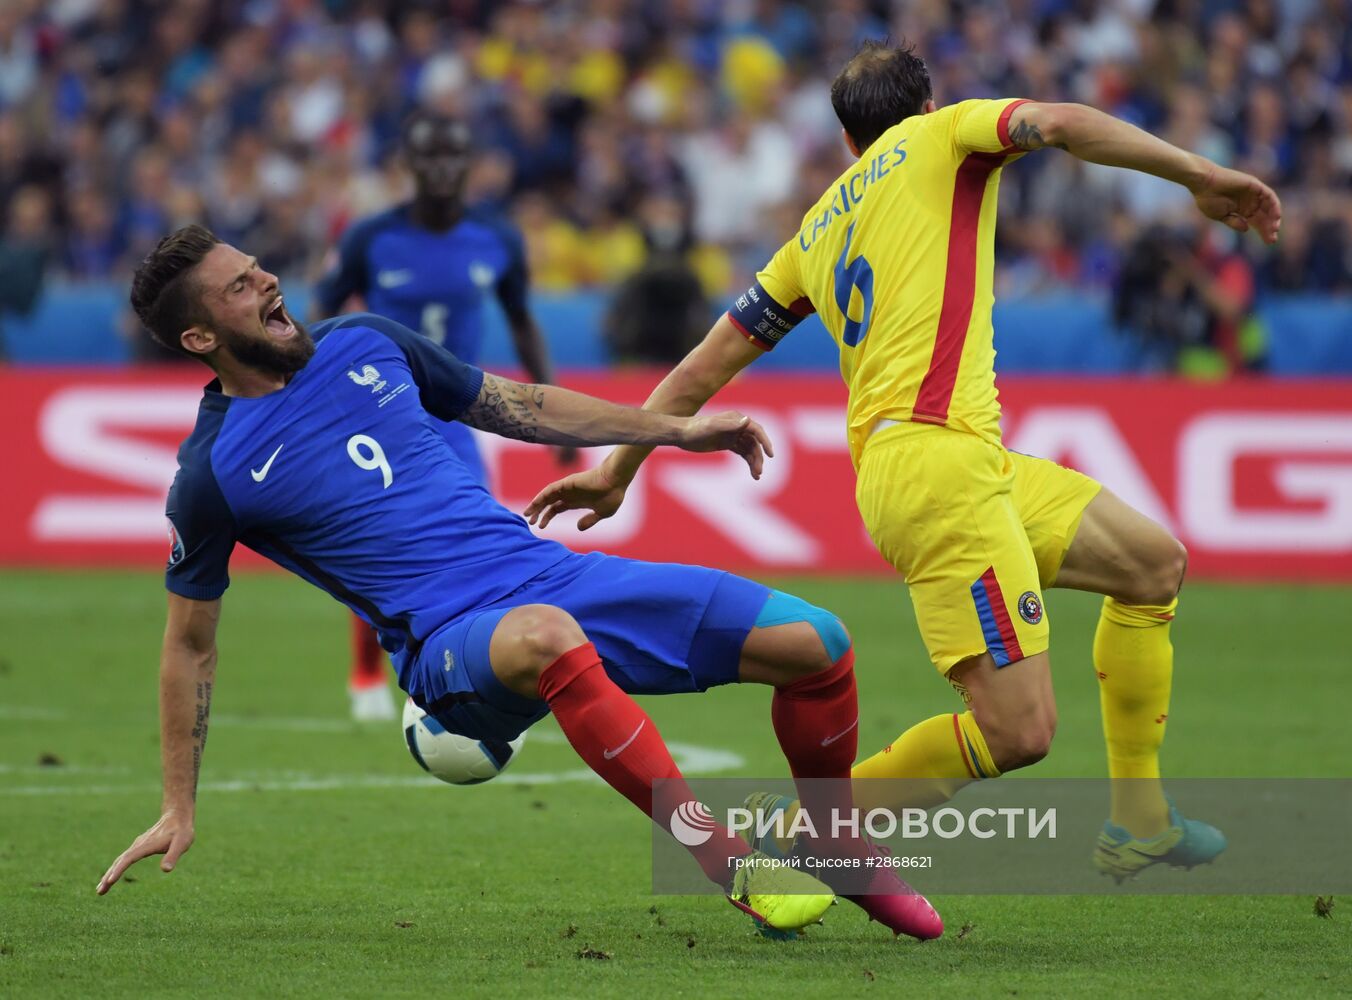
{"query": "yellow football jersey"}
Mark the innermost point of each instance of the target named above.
(897, 258)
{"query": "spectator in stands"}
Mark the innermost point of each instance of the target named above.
(93, 245)
(25, 247)
(660, 312)
(606, 107)
(738, 168)
(1190, 302)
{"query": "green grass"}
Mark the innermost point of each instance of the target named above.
(362, 890)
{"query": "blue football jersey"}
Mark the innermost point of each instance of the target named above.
(343, 478)
(435, 283)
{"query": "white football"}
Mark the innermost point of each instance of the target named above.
(456, 759)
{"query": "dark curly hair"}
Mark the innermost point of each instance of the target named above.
(162, 290)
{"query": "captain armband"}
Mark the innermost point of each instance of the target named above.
(762, 320)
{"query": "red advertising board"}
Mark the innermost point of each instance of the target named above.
(1256, 477)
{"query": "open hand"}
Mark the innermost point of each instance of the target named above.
(171, 836)
(592, 490)
(1240, 201)
(730, 431)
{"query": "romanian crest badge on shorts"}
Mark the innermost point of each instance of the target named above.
(1030, 607)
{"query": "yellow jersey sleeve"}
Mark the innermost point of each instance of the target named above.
(767, 311)
(983, 126)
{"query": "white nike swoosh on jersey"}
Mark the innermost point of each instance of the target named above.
(260, 474)
(831, 739)
(612, 754)
(393, 279)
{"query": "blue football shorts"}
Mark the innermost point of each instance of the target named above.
(660, 628)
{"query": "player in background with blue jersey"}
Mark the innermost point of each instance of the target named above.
(322, 453)
(430, 264)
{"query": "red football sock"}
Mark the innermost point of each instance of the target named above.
(368, 661)
(620, 743)
(817, 721)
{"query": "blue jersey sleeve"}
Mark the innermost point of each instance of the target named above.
(349, 275)
(446, 385)
(202, 534)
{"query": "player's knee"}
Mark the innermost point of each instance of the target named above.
(548, 632)
(1023, 744)
(1161, 580)
(1176, 566)
(793, 641)
(820, 659)
(833, 642)
(538, 634)
(1026, 748)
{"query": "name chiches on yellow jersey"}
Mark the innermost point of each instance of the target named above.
(849, 193)
(897, 258)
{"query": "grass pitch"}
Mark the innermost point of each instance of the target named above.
(325, 866)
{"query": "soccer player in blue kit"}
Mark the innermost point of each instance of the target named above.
(320, 451)
(430, 264)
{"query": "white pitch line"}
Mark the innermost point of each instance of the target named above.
(32, 712)
(280, 723)
(689, 757)
(59, 770)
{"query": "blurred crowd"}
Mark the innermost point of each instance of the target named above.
(693, 131)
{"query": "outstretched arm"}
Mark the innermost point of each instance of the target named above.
(723, 353)
(548, 414)
(1239, 200)
(712, 364)
(187, 672)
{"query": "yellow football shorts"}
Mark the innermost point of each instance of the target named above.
(976, 530)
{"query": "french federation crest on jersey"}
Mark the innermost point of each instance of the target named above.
(1030, 608)
(369, 375)
(481, 274)
(175, 544)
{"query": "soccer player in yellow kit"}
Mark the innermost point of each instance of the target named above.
(897, 259)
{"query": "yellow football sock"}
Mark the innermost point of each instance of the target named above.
(1135, 664)
(937, 757)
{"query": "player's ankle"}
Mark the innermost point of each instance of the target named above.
(1142, 825)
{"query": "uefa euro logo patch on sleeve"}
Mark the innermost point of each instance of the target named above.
(175, 544)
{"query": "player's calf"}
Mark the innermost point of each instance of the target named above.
(805, 652)
(539, 651)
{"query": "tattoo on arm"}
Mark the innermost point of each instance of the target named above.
(507, 408)
(199, 731)
(1026, 135)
